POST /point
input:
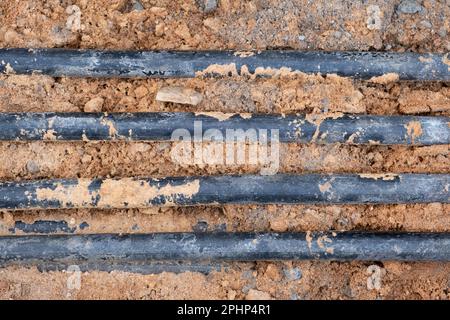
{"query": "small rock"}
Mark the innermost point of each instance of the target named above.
(294, 296)
(248, 287)
(207, 5)
(343, 222)
(301, 38)
(84, 225)
(179, 95)
(410, 7)
(257, 295)
(221, 227)
(61, 36)
(292, 274)
(137, 5)
(248, 274)
(442, 32)
(132, 5)
(210, 5)
(94, 105)
(201, 226)
(337, 34)
(32, 166)
(426, 24)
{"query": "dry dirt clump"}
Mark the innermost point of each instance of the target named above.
(179, 95)
(243, 26)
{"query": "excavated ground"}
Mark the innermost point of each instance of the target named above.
(237, 25)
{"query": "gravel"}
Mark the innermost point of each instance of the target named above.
(410, 7)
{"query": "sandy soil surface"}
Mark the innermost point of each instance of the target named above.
(420, 26)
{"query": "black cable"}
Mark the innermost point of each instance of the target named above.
(170, 64)
(213, 190)
(194, 247)
(356, 129)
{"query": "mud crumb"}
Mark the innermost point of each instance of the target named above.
(74, 19)
(218, 69)
(382, 176)
(446, 60)
(9, 69)
(217, 115)
(325, 187)
(425, 59)
(257, 295)
(414, 130)
(244, 54)
(94, 105)
(385, 79)
(49, 135)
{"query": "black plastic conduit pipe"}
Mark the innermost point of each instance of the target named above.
(356, 129)
(195, 247)
(183, 64)
(213, 190)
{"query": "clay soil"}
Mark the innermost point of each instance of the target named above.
(236, 25)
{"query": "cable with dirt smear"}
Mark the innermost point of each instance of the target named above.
(187, 64)
(214, 190)
(328, 128)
